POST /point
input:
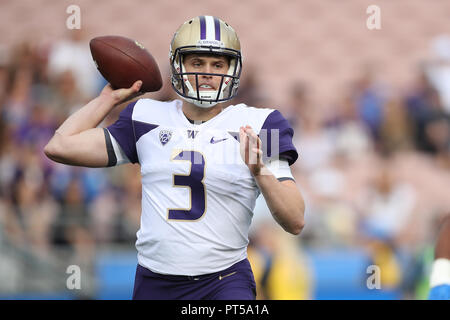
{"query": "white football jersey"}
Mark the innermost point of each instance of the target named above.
(198, 194)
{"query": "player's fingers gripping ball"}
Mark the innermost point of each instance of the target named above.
(122, 95)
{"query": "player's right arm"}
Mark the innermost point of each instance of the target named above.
(78, 141)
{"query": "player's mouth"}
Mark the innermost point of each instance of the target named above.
(205, 87)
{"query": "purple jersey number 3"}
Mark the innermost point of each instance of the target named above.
(194, 181)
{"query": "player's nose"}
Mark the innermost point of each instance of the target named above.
(208, 68)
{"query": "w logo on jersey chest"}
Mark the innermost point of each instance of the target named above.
(192, 133)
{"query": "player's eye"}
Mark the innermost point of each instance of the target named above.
(195, 62)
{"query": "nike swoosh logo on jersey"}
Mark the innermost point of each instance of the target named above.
(216, 141)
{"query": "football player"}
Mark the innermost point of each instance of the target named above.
(440, 271)
(202, 167)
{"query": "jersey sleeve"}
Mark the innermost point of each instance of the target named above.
(123, 132)
(116, 155)
(276, 135)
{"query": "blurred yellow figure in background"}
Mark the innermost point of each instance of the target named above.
(383, 256)
(281, 270)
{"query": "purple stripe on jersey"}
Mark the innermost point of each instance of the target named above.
(217, 28)
(123, 131)
(276, 121)
(202, 27)
(128, 131)
(141, 128)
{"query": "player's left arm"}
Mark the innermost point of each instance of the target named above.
(283, 198)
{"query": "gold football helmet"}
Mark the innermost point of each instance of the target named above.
(211, 35)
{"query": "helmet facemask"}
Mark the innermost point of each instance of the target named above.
(191, 92)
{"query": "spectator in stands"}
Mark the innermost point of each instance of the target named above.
(421, 102)
(369, 98)
(396, 129)
(72, 53)
(281, 269)
(438, 69)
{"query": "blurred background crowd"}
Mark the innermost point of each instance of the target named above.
(374, 156)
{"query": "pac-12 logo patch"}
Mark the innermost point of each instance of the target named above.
(164, 136)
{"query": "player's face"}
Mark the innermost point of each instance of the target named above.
(206, 64)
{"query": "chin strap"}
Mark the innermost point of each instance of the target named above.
(201, 104)
(203, 95)
(205, 99)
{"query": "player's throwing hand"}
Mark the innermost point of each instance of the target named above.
(121, 95)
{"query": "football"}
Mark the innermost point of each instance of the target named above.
(122, 61)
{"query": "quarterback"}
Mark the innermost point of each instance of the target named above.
(202, 167)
